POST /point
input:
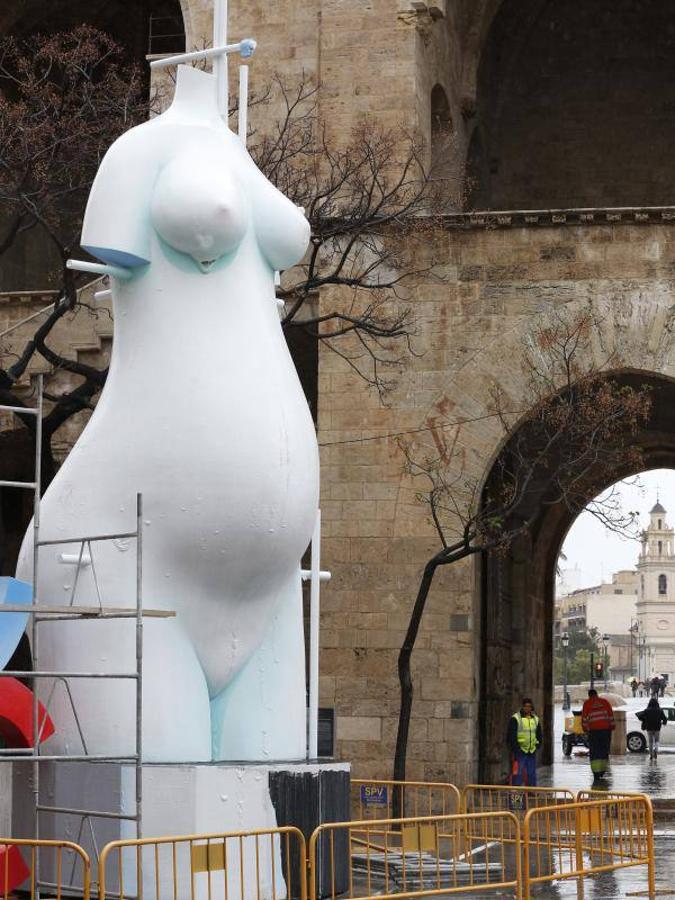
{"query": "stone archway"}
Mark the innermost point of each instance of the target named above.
(517, 592)
(572, 99)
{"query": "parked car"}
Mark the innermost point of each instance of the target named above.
(636, 738)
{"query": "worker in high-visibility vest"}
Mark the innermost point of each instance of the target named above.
(524, 737)
(597, 720)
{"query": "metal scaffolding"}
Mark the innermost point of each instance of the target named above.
(41, 613)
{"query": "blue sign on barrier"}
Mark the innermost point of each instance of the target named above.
(374, 795)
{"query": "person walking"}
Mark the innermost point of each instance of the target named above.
(634, 685)
(524, 737)
(652, 718)
(597, 720)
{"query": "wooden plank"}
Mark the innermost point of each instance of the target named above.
(106, 612)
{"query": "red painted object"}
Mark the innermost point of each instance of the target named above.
(13, 870)
(16, 717)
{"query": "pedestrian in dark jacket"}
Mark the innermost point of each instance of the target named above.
(652, 718)
(524, 736)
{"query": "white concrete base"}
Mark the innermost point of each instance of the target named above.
(202, 798)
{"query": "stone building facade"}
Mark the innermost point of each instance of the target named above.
(561, 121)
(656, 604)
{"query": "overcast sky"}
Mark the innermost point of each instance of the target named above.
(596, 552)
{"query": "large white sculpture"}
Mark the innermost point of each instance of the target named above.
(204, 414)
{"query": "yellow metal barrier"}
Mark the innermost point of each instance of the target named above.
(577, 840)
(482, 798)
(247, 865)
(56, 865)
(414, 857)
(372, 799)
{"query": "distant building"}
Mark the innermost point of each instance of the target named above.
(636, 609)
(656, 603)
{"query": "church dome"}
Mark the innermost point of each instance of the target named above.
(657, 508)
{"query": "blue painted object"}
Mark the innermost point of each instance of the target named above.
(12, 625)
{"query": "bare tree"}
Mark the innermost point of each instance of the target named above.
(372, 203)
(63, 99)
(576, 423)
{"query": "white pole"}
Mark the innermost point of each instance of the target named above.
(243, 103)
(314, 614)
(220, 62)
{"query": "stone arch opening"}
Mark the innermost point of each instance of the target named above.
(517, 592)
(441, 143)
(441, 120)
(129, 24)
(574, 103)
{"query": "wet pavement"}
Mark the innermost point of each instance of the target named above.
(632, 772)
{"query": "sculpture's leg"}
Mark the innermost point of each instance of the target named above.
(261, 714)
(176, 712)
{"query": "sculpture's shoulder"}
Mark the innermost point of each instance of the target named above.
(116, 225)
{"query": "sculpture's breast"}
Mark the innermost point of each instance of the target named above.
(198, 208)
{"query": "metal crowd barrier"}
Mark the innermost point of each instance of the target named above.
(32, 864)
(373, 799)
(481, 798)
(415, 857)
(405, 857)
(268, 864)
(581, 839)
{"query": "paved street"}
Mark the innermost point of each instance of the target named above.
(632, 772)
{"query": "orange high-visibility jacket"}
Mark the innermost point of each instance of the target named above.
(597, 715)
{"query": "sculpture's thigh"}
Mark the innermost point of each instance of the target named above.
(261, 714)
(176, 712)
(176, 716)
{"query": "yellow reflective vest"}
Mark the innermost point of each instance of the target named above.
(527, 732)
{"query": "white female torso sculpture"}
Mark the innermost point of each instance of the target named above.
(203, 413)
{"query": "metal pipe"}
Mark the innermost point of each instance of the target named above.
(220, 13)
(102, 295)
(306, 575)
(80, 540)
(80, 265)
(29, 754)
(139, 666)
(15, 674)
(314, 616)
(29, 485)
(34, 628)
(28, 410)
(96, 814)
(245, 48)
(72, 559)
(30, 318)
(243, 104)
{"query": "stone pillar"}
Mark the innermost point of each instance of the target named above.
(618, 746)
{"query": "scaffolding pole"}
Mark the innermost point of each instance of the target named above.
(44, 612)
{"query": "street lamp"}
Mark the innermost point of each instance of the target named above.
(565, 641)
(605, 642)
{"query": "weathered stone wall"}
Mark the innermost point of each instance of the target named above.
(471, 331)
(576, 105)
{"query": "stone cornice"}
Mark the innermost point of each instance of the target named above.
(622, 215)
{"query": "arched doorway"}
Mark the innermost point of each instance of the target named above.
(517, 590)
